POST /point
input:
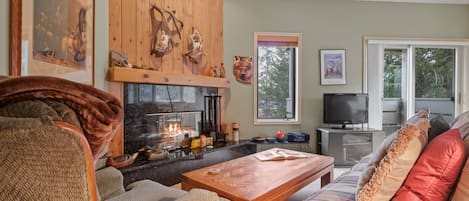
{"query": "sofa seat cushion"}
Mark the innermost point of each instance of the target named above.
(110, 182)
(200, 195)
(147, 190)
(437, 169)
(341, 189)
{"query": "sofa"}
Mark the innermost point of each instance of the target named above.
(52, 131)
(424, 160)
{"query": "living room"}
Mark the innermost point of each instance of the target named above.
(323, 25)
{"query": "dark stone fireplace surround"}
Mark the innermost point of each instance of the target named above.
(142, 99)
(168, 171)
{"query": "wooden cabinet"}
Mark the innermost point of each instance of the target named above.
(348, 146)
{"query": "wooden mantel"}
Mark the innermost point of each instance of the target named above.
(131, 75)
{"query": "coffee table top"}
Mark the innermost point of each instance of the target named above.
(248, 178)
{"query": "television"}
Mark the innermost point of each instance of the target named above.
(345, 108)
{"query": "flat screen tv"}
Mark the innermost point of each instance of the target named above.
(347, 108)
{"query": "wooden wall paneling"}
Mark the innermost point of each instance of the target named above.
(216, 31)
(116, 147)
(205, 31)
(154, 61)
(197, 7)
(147, 35)
(167, 59)
(216, 52)
(219, 23)
(129, 29)
(142, 29)
(187, 31)
(178, 66)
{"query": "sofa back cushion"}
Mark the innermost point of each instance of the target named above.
(392, 169)
(45, 163)
(462, 189)
(438, 125)
(437, 169)
(391, 162)
(382, 151)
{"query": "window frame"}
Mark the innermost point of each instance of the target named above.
(372, 46)
(297, 81)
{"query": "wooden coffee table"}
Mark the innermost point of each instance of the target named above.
(248, 178)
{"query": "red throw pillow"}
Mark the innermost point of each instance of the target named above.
(437, 169)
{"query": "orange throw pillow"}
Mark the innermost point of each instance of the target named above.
(437, 169)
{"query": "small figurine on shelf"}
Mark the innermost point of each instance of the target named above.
(203, 140)
(235, 127)
(186, 142)
(215, 71)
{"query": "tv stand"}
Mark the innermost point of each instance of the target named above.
(347, 146)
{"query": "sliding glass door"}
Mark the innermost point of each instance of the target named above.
(415, 77)
(435, 80)
(394, 88)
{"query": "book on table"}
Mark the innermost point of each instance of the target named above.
(277, 154)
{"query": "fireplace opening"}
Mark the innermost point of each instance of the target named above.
(160, 116)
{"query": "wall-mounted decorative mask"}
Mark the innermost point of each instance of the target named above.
(164, 25)
(195, 52)
(242, 69)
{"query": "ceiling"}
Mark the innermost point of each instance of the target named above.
(426, 1)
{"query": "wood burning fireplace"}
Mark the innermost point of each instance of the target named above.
(159, 116)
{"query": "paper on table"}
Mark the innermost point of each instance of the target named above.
(278, 154)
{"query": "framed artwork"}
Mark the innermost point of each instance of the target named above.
(332, 67)
(52, 38)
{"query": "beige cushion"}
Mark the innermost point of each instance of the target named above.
(110, 182)
(460, 120)
(462, 189)
(147, 190)
(199, 195)
(369, 167)
(391, 163)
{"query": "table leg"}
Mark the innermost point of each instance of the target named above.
(328, 177)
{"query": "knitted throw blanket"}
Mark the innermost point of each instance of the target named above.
(99, 112)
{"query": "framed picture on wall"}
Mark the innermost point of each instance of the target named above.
(52, 38)
(332, 67)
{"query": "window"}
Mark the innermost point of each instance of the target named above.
(278, 70)
(404, 76)
(393, 66)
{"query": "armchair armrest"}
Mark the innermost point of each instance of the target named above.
(110, 182)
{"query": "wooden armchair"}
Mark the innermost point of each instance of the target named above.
(45, 160)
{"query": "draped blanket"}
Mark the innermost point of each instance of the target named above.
(99, 112)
